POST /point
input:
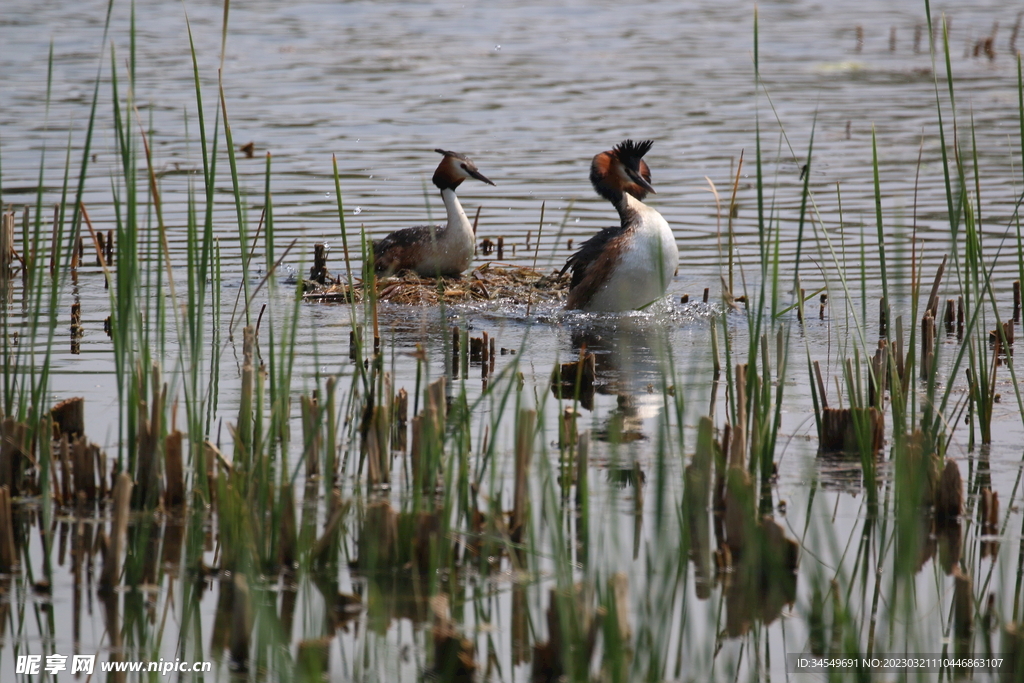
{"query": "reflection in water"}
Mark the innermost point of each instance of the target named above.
(630, 352)
(383, 83)
(627, 358)
(840, 472)
(754, 561)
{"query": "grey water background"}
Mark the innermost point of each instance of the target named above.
(531, 91)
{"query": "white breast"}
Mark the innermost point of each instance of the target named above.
(645, 266)
(451, 252)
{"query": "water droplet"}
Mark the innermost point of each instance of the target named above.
(497, 48)
(327, 195)
(358, 210)
(371, 176)
(577, 220)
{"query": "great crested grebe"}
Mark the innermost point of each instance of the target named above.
(627, 266)
(433, 250)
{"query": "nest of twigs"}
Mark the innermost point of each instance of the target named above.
(489, 282)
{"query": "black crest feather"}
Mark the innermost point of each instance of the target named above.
(444, 152)
(628, 149)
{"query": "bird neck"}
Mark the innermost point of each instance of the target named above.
(457, 221)
(629, 208)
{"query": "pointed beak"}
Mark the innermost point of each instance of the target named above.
(639, 180)
(479, 176)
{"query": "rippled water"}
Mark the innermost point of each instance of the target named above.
(531, 91)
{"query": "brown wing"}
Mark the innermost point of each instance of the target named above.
(401, 249)
(592, 265)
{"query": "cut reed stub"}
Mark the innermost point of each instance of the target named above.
(76, 320)
(400, 420)
(454, 655)
(878, 378)
(1016, 301)
(76, 327)
(101, 248)
(377, 545)
(697, 477)
(960, 317)
(318, 273)
(549, 657)
(8, 548)
(174, 471)
(581, 372)
(988, 520)
(985, 47)
(86, 463)
(575, 380)
(994, 336)
(241, 622)
(567, 430)
(761, 581)
(325, 549)
(478, 349)
(525, 427)
(949, 497)
(6, 250)
(16, 461)
(950, 317)
(963, 608)
(354, 342)
(77, 256)
(312, 438)
(375, 446)
(69, 417)
(287, 549)
(845, 430)
(927, 345)
(118, 531)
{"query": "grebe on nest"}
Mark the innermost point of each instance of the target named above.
(627, 266)
(440, 249)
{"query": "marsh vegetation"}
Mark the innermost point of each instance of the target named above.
(392, 479)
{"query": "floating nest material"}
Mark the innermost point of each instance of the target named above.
(489, 282)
